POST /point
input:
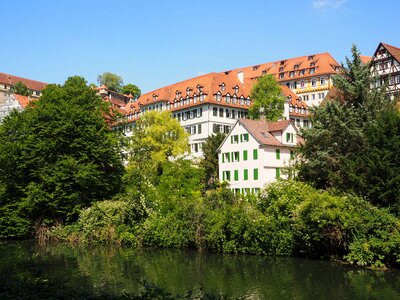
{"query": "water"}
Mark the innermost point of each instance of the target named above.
(113, 270)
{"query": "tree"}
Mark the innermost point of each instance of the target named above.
(56, 157)
(21, 89)
(156, 139)
(351, 146)
(131, 89)
(210, 161)
(111, 80)
(267, 94)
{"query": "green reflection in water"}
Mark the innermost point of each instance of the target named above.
(113, 270)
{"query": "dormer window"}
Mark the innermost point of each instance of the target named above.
(255, 68)
(222, 86)
(281, 75)
(291, 74)
(218, 96)
(202, 97)
(199, 88)
(228, 98)
(311, 57)
(312, 70)
(195, 98)
(280, 69)
(296, 67)
(302, 72)
(155, 97)
(241, 100)
(188, 90)
(282, 62)
(264, 72)
(234, 99)
(236, 89)
(312, 64)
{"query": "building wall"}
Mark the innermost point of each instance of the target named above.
(266, 162)
(7, 104)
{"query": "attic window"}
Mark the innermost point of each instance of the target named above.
(264, 72)
(218, 96)
(282, 62)
(188, 91)
(199, 88)
(312, 70)
(296, 67)
(311, 57)
(281, 69)
(222, 87)
(281, 75)
(291, 74)
(302, 72)
(255, 68)
(312, 64)
(236, 89)
(228, 98)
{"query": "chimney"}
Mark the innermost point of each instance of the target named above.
(240, 75)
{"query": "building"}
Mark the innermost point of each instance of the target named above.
(255, 153)
(10, 101)
(204, 105)
(385, 67)
(310, 76)
(8, 81)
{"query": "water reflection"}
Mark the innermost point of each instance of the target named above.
(114, 270)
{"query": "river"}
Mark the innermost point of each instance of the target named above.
(113, 270)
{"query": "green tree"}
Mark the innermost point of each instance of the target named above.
(209, 163)
(56, 157)
(111, 80)
(131, 89)
(21, 89)
(267, 94)
(156, 138)
(349, 138)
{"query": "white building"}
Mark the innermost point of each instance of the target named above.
(255, 153)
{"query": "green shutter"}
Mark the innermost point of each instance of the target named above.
(244, 154)
(287, 137)
(278, 154)
(236, 174)
(231, 139)
(255, 154)
(277, 173)
(255, 174)
(291, 154)
(245, 174)
(223, 175)
(223, 157)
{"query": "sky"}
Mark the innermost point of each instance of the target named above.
(157, 43)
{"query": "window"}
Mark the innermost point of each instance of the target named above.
(291, 154)
(193, 130)
(278, 154)
(228, 99)
(280, 69)
(312, 70)
(227, 128)
(277, 173)
(218, 97)
(289, 137)
(391, 81)
(235, 156)
(305, 123)
(296, 67)
(302, 84)
(255, 174)
(215, 111)
(199, 128)
(255, 154)
(302, 72)
(226, 157)
(236, 174)
(228, 113)
(245, 174)
(291, 74)
(323, 81)
(200, 113)
(281, 75)
(311, 57)
(298, 122)
(313, 82)
(226, 175)
(234, 139)
(313, 96)
(244, 154)
(397, 79)
(221, 112)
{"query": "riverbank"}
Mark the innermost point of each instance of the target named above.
(287, 219)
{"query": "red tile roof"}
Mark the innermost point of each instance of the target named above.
(261, 130)
(365, 59)
(12, 80)
(394, 51)
(323, 63)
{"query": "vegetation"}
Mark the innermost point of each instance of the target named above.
(352, 146)
(267, 95)
(209, 163)
(56, 157)
(21, 89)
(113, 81)
(131, 89)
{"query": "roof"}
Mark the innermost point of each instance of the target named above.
(262, 130)
(323, 64)
(365, 59)
(12, 80)
(394, 51)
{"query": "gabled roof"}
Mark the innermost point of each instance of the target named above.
(394, 51)
(12, 80)
(365, 59)
(262, 130)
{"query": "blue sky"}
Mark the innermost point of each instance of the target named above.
(159, 42)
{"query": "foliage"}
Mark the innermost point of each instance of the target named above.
(131, 89)
(267, 94)
(21, 89)
(113, 81)
(57, 157)
(351, 146)
(209, 163)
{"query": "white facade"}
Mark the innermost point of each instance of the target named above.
(8, 102)
(247, 164)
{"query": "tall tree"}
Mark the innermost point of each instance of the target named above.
(209, 163)
(111, 80)
(267, 94)
(56, 157)
(21, 89)
(349, 139)
(131, 89)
